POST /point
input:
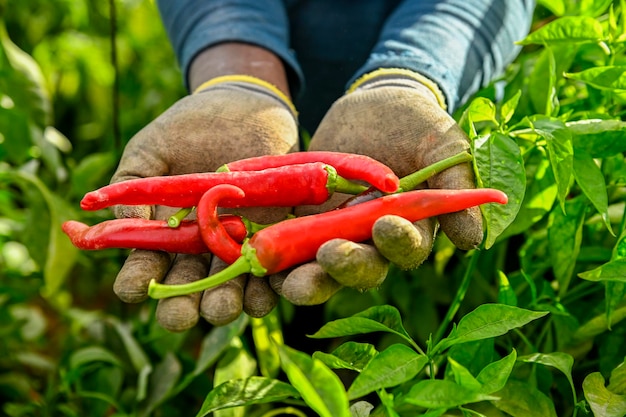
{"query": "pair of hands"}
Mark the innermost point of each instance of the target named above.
(398, 121)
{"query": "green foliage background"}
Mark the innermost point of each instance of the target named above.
(530, 324)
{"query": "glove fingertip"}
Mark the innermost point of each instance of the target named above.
(178, 314)
(258, 299)
(309, 285)
(463, 228)
(404, 243)
(131, 283)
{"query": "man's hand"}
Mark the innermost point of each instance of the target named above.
(229, 120)
(398, 118)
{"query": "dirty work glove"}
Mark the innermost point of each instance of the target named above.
(228, 118)
(397, 117)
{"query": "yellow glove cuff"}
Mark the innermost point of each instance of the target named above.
(402, 72)
(250, 80)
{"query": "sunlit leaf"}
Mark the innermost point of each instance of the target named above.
(437, 393)
(610, 271)
(488, 320)
(560, 152)
(598, 138)
(562, 361)
(248, 391)
(605, 78)
(319, 387)
(602, 401)
(590, 179)
(499, 165)
(349, 355)
(375, 319)
(494, 376)
(567, 29)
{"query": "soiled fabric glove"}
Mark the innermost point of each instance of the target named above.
(231, 118)
(397, 117)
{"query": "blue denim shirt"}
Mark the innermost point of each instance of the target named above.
(326, 44)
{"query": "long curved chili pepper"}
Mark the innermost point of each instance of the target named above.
(348, 165)
(285, 186)
(284, 244)
(149, 234)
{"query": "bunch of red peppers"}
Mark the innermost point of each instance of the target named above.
(303, 178)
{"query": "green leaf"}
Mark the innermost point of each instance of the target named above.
(494, 376)
(436, 393)
(564, 240)
(138, 358)
(602, 401)
(463, 376)
(540, 195)
(618, 379)
(499, 165)
(610, 271)
(611, 78)
(91, 354)
(383, 318)
(486, 321)
(598, 138)
(393, 366)
(550, 65)
(480, 110)
(22, 80)
(567, 29)
(319, 387)
(506, 294)
(61, 254)
(564, 362)
(162, 382)
(520, 399)
(350, 355)
(247, 391)
(267, 333)
(590, 179)
(361, 409)
(560, 152)
(508, 108)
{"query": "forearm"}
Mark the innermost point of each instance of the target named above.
(208, 37)
(237, 58)
(459, 44)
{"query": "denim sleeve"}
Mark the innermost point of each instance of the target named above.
(459, 44)
(193, 25)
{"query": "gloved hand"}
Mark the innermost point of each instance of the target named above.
(233, 117)
(397, 117)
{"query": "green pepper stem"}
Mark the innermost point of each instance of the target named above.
(336, 183)
(241, 266)
(348, 187)
(411, 181)
(253, 227)
(175, 219)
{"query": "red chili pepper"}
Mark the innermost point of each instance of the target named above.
(348, 165)
(285, 244)
(149, 234)
(285, 186)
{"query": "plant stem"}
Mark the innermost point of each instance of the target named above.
(175, 219)
(458, 298)
(240, 266)
(345, 186)
(411, 181)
